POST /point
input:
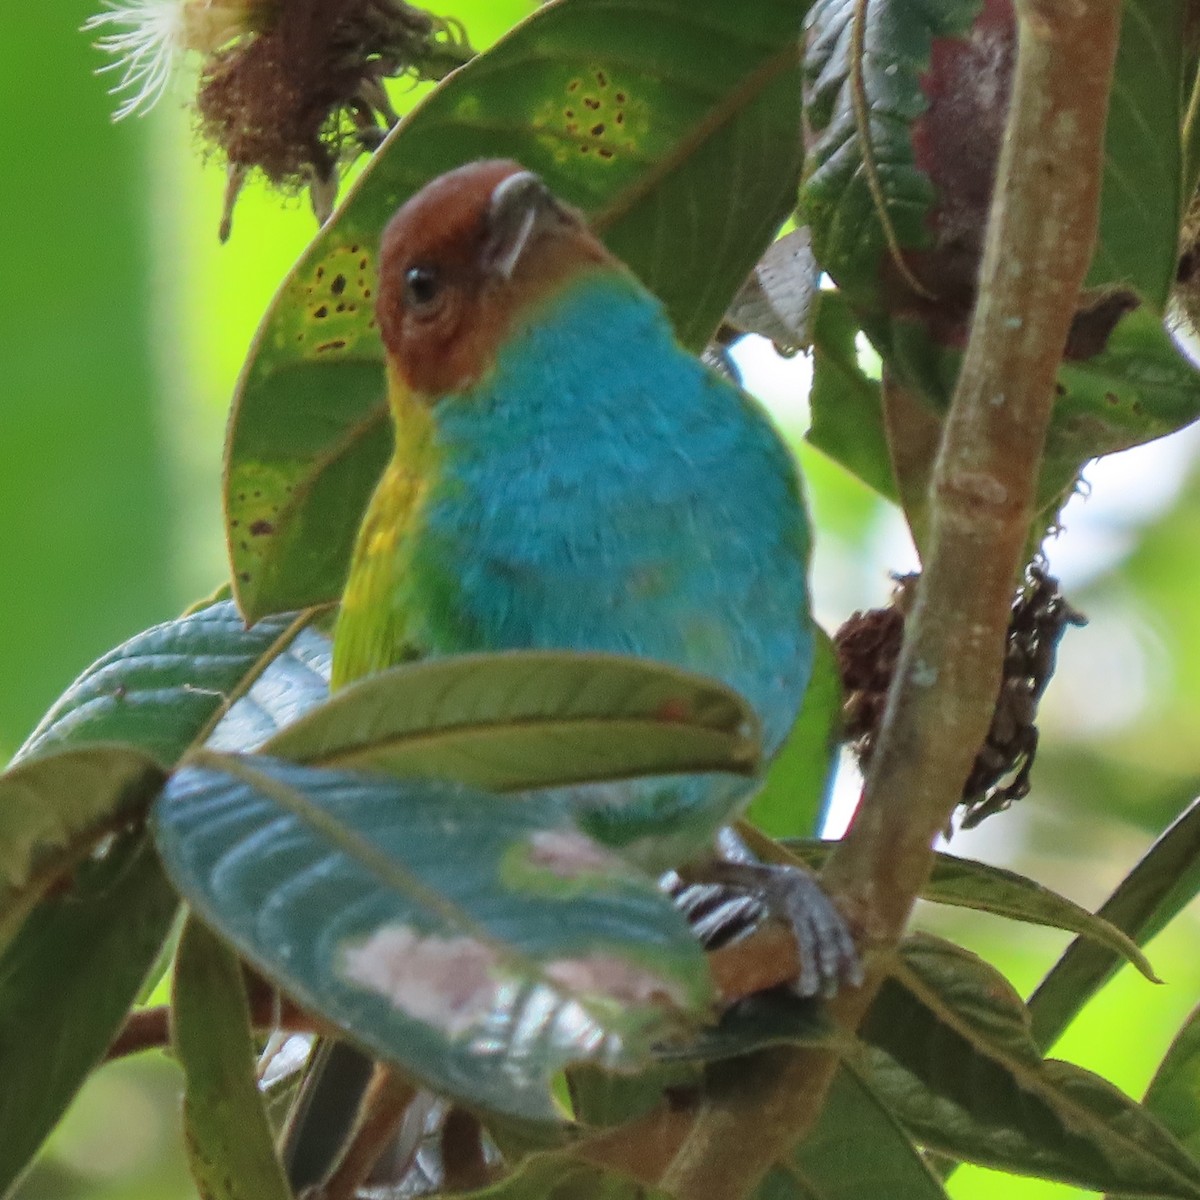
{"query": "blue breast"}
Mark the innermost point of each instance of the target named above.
(604, 491)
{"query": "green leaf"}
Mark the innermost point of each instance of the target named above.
(1142, 198)
(295, 681)
(847, 408)
(953, 1058)
(635, 113)
(774, 1018)
(1162, 883)
(77, 965)
(762, 1021)
(54, 810)
(1140, 387)
(528, 719)
(1143, 189)
(965, 883)
(66, 983)
(1172, 1095)
(836, 203)
(167, 688)
(483, 945)
(799, 777)
(229, 1140)
(857, 1149)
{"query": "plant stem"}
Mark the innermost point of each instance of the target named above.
(1041, 233)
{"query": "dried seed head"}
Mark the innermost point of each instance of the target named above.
(868, 649)
(151, 36)
(292, 90)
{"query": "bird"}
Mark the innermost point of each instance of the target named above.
(565, 475)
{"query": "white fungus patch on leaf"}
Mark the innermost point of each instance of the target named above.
(606, 975)
(449, 983)
(569, 854)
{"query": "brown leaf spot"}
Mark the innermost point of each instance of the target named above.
(445, 982)
(673, 710)
(260, 528)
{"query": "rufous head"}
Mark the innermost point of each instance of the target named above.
(462, 260)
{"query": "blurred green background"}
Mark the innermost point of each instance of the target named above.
(124, 324)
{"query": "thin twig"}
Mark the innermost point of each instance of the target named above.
(1040, 238)
(383, 1107)
(150, 1028)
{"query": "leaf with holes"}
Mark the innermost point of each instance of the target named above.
(673, 126)
(483, 945)
(1156, 890)
(948, 1049)
(229, 1141)
(1141, 386)
(527, 719)
(965, 883)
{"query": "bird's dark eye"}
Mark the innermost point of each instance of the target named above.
(422, 288)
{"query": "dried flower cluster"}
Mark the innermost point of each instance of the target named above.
(293, 89)
(868, 647)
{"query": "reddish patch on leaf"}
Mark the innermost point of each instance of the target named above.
(956, 142)
(568, 854)
(673, 711)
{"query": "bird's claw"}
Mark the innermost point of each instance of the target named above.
(723, 900)
(828, 957)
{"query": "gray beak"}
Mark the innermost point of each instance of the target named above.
(521, 208)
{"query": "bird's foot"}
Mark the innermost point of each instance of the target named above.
(728, 896)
